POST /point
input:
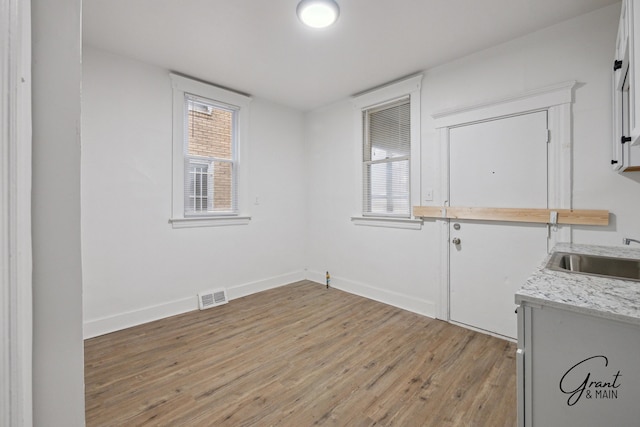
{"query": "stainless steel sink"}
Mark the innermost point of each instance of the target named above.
(614, 268)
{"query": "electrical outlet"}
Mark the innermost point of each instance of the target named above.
(428, 194)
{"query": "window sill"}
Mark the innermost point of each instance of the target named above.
(404, 223)
(209, 221)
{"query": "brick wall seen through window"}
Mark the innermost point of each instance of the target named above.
(210, 136)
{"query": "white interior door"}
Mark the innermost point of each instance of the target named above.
(498, 163)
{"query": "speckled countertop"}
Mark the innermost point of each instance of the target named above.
(598, 296)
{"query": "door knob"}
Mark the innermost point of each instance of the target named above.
(456, 241)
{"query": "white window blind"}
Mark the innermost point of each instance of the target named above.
(387, 159)
(210, 158)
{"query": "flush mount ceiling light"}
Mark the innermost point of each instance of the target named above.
(318, 13)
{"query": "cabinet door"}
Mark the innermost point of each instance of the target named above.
(622, 44)
(633, 36)
(620, 115)
(621, 77)
(580, 370)
(625, 155)
(626, 93)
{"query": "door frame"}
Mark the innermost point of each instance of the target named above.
(556, 100)
(15, 215)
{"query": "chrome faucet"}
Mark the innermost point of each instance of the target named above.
(627, 240)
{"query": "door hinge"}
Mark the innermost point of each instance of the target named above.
(548, 136)
(617, 65)
(624, 139)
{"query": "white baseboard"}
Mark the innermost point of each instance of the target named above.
(484, 331)
(117, 322)
(405, 302)
(263, 285)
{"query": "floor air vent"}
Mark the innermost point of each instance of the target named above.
(213, 298)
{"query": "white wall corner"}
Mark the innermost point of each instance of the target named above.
(120, 321)
(396, 299)
(264, 284)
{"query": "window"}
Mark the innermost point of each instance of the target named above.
(210, 158)
(389, 119)
(209, 126)
(386, 159)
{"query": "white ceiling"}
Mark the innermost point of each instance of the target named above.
(259, 47)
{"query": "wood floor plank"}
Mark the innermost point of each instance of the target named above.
(299, 355)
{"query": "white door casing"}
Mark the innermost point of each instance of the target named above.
(556, 101)
(15, 214)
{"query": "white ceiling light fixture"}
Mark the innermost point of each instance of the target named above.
(318, 13)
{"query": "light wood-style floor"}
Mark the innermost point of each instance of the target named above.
(300, 355)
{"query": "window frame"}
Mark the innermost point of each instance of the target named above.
(182, 87)
(386, 95)
(367, 147)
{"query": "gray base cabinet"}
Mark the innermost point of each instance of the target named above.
(576, 369)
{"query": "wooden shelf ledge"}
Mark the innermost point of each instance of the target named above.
(544, 216)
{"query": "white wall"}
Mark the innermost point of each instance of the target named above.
(403, 266)
(387, 264)
(579, 49)
(136, 267)
(305, 173)
(58, 354)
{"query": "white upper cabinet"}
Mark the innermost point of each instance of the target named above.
(626, 90)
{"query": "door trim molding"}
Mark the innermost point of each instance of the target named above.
(556, 100)
(15, 215)
(537, 99)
